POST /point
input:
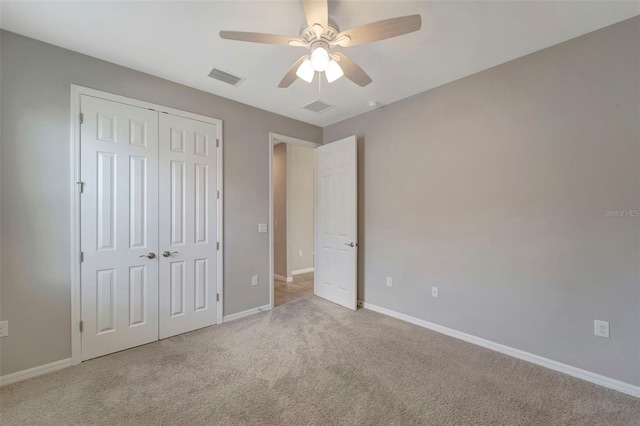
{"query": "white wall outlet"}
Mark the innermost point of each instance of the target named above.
(255, 280)
(300, 253)
(389, 282)
(434, 291)
(262, 228)
(4, 328)
(601, 328)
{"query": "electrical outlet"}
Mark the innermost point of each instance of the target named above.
(262, 228)
(300, 253)
(389, 282)
(434, 291)
(601, 328)
(255, 280)
(4, 328)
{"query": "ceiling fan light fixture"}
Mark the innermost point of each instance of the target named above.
(306, 71)
(320, 59)
(333, 71)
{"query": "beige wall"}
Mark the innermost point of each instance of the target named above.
(300, 163)
(35, 192)
(494, 189)
(280, 210)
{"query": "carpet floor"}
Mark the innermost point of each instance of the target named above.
(312, 362)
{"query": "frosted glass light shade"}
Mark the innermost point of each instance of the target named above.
(320, 59)
(333, 71)
(306, 71)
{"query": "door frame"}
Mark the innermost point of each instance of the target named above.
(76, 301)
(273, 138)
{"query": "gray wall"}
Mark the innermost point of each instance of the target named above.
(280, 210)
(494, 188)
(35, 177)
(300, 163)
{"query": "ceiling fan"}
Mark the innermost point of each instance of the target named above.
(320, 37)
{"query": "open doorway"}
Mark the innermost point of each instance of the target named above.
(292, 219)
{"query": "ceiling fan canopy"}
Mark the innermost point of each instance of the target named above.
(320, 37)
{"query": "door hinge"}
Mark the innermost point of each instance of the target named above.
(218, 196)
(81, 118)
(81, 256)
(80, 186)
(217, 246)
(217, 143)
(217, 297)
(81, 326)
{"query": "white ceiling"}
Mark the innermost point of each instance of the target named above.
(179, 41)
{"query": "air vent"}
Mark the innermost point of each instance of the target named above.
(226, 77)
(318, 106)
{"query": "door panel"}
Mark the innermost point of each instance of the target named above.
(188, 209)
(119, 211)
(336, 222)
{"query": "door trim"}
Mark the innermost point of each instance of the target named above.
(273, 138)
(76, 305)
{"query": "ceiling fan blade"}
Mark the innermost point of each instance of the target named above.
(291, 76)
(257, 37)
(381, 30)
(352, 70)
(316, 12)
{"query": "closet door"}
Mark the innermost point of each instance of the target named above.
(119, 226)
(188, 233)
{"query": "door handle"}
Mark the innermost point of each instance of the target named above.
(168, 253)
(150, 255)
(351, 244)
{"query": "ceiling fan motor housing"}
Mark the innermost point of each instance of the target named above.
(309, 35)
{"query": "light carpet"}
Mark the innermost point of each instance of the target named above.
(312, 362)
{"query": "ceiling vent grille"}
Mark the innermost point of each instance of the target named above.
(226, 77)
(318, 106)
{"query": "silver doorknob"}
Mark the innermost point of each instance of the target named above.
(151, 255)
(168, 253)
(350, 244)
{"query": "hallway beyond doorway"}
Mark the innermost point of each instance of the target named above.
(300, 288)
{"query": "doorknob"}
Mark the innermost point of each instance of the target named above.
(151, 255)
(168, 253)
(351, 244)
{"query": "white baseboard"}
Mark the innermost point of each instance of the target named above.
(19, 376)
(283, 278)
(598, 379)
(246, 313)
(302, 271)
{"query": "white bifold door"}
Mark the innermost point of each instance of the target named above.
(119, 226)
(148, 225)
(188, 234)
(336, 211)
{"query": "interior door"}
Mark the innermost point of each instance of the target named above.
(188, 233)
(119, 234)
(336, 212)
